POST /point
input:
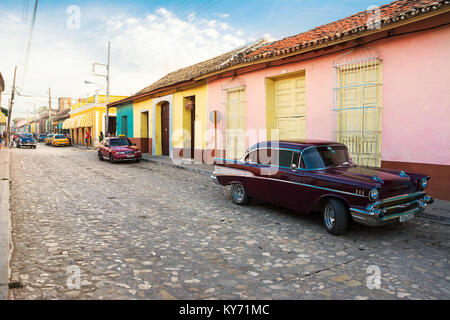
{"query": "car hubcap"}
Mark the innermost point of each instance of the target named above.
(330, 217)
(238, 192)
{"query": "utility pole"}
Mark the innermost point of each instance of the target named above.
(50, 124)
(107, 89)
(10, 107)
(108, 78)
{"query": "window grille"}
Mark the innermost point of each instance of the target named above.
(357, 105)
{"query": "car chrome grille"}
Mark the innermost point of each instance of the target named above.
(400, 204)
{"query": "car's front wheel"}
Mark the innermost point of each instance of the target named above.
(239, 194)
(111, 158)
(335, 217)
(100, 157)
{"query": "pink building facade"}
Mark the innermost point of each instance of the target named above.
(408, 87)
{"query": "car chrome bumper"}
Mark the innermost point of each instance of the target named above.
(214, 179)
(377, 215)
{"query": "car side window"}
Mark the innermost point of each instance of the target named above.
(252, 156)
(285, 158)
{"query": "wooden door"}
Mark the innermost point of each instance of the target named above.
(235, 134)
(144, 132)
(165, 128)
(193, 132)
(290, 108)
(124, 126)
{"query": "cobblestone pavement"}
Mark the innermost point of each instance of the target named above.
(143, 231)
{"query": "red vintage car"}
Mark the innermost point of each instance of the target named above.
(118, 149)
(311, 176)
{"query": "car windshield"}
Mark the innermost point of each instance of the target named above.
(60, 136)
(49, 136)
(119, 143)
(325, 157)
(26, 136)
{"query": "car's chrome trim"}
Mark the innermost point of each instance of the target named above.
(225, 171)
(251, 175)
(378, 216)
(396, 198)
(266, 165)
(214, 179)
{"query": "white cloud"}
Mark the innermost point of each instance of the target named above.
(143, 49)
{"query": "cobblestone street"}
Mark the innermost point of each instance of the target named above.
(144, 231)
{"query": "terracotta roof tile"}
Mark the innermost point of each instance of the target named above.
(204, 67)
(389, 13)
(354, 24)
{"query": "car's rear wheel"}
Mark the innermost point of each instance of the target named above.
(335, 217)
(239, 194)
(100, 157)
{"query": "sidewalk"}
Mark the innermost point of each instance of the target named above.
(5, 223)
(438, 212)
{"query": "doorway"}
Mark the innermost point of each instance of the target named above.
(111, 125)
(165, 117)
(189, 105)
(124, 126)
(144, 132)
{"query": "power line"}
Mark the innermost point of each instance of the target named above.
(28, 47)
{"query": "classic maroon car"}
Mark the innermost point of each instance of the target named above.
(118, 149)
(310, 176)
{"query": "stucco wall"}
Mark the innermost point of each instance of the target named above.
(416, 99)
(125, 110)
(181, 118)
(138, 108)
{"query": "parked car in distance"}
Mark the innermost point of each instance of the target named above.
(118, 149)
(41, 137)
(59, 140)
(26, 140)
(310, 176)
(48, 139)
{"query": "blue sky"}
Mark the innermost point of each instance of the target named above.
(149, 38)
(280, 18)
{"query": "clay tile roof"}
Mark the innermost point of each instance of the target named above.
(357, 23)
(201, 68)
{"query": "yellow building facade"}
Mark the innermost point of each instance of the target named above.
(89, 115)
(172, 123)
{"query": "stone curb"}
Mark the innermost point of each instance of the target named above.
(432, 217)
(5, 223)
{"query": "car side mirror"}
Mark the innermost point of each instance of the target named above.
(134, 144)
(293, 167)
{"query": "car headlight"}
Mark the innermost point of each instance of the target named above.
(423, 183)
(373, 194)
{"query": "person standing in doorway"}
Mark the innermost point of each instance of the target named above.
(87, 138)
